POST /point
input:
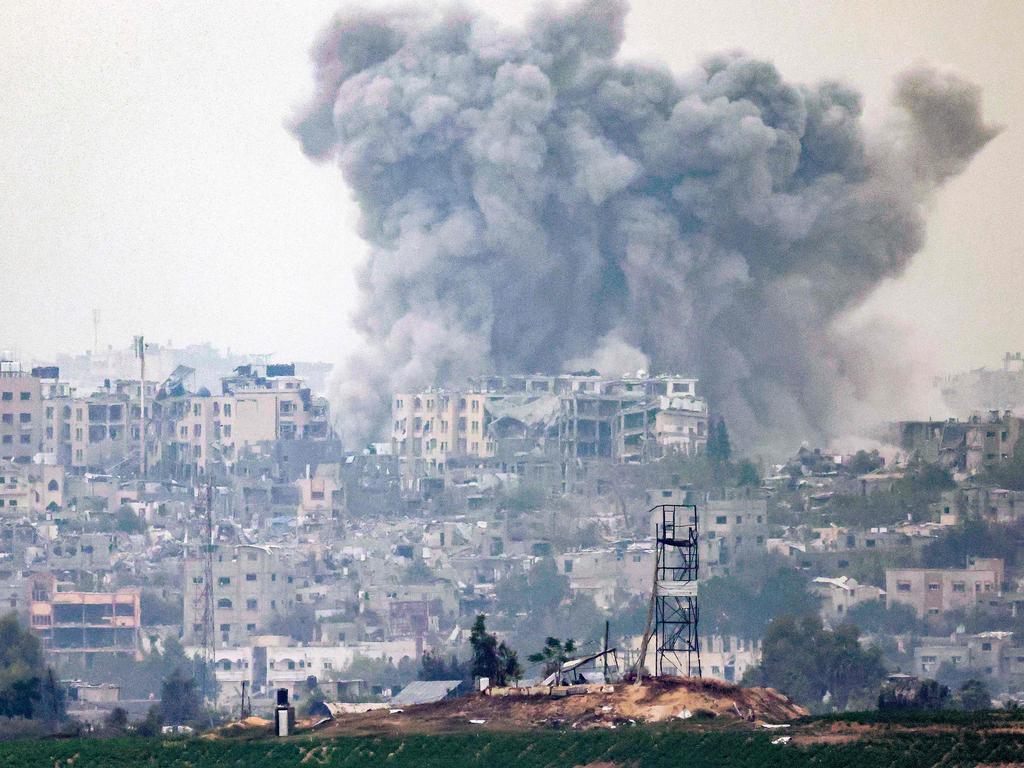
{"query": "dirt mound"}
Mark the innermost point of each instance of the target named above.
(685, 699)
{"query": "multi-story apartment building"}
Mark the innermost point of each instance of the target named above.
(86, 623)
(991, 654)
(259, 403)
(251, 585)
(978, 443)
(433, 426)
(933, 591)
(21, 413)
(29, 488)
(633, 419)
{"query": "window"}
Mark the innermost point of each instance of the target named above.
(224, 603)
(959, 586)
(26, 395)
(25, 418)
(8, 396)
(903, 586)
(869, 543)
(250, 577)
(250, 627)
(933, 587)
(8, 418)
(225, 627)
(568, 566)
(223, 581)
(986, 646)
(26, 439)
(739, 519)
(251, 604)
(721, 520)
(197, 409)
(8, 439)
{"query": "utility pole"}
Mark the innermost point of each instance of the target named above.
(604, 656)
(140, 352)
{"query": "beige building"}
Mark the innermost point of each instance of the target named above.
(259, 403)
(321, 494)
(21, 413)
(838, 595)
(251, 585)
(429, 428)
(933, 591)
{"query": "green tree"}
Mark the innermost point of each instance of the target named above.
(554, 654)
(873, 616)
(299, 623)
(864, 462)
(974, 695)
(152, 725)
(508, 668)
(1009, 474)
(156, 611)
(22, 672)
(126, 521)
(117, 721)
(179, 699)
(974, 537)
(434, 667)
(806, 661)
(747, 474)
(485, 649)
(719, 446)
(418, 572)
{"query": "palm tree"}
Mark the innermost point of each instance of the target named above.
(554, 654)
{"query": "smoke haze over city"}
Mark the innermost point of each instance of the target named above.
(534, 203)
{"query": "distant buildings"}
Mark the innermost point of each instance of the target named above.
(85, 623)
(571, 418)
(251, 586)
(21, 413)
(933, 591)
(979, 443)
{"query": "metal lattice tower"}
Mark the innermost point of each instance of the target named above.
(675, 591)
(204, 597)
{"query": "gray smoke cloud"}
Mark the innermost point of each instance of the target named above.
(532, 203)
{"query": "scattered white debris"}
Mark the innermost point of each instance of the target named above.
(395, 711)
(477, 722)
(775, 725)
(606, 708)
(686, 714)
(782, 740)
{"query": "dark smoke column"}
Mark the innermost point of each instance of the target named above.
(532, 204)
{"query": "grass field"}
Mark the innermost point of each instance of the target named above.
(638, 746)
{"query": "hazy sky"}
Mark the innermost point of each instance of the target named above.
(145, 169)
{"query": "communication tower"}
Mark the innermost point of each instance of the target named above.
(675, 590)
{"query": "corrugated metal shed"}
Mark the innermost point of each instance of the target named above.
(425, 692)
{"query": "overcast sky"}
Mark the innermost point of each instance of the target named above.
(145, 169)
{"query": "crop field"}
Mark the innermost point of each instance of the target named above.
(627, 747)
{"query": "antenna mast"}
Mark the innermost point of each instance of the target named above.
(675, 591)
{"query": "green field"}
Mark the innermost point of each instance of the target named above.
(638, 746)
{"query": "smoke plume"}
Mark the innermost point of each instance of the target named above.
(532, 203)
